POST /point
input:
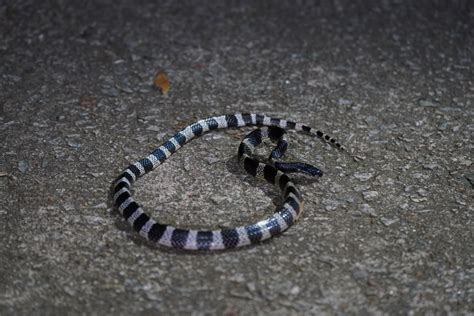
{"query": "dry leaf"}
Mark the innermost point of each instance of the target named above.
(87, 101)
(162, 82)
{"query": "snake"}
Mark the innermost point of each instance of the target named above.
(273, 171)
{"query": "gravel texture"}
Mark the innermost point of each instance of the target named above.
(387, 230)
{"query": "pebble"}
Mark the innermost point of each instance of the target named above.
(357, 158)
(443, 126)
(187, 166)
(470, 177)
(367, 209)
(363, 176)
(330, 205)
(422, 192)
(388, 221)
(23, 166)
(251, 286)
(125, 89)
(295, 290)
(68, 206)
(360, 274)
(362, 187)
(111, 92)
(153, 128)
(450, 109)
(212, 160)
(370, 195)
(427, 103)
(418, 175)
(70, 290)
(217, 199)
(409, 188)
(430, 166)
(344, 102)
(418, 200)
(93, 220)
(161, 136)
(465, 162)
(425, 211)
(44, 163)
(73, 143)
(101, 205)
(95, 174)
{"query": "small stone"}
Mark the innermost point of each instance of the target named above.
(44, 163)
(251, 286)
(465, 162)
(360, 274)
(70, 290)
(161, 136)
(417, 199)
(443, 126)
(295, 290)
(368, 210)
(111, 92)
(217, 199)
(409, 188)
(100, 205)
(470, 177)
(330, 205)
(212, 160)
(427, 103)
(363, 176)
(187, 166)
(450, 109)
(153, 128)
(152, 296)
(342, 101)
(355, 213)
(96, 174)
(422, 192)
(125, 89)
(388, 221)
(424, 211)
(370, 195)
(68, 206)
(23, 166)
(15, 78)
(361, 187)
(358, 158)
(430, 166)
(94, 220)
(73, 143)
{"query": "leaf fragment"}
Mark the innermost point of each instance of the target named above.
(162, 82)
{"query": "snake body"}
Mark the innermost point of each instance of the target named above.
(273, 172)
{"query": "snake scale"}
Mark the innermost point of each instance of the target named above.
(274, 172)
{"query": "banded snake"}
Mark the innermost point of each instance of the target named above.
(274, 172)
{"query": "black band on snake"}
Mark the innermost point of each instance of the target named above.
(274, 172)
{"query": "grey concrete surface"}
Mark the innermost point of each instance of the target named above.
(390, 232)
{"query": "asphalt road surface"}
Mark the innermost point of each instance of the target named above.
(387, 230)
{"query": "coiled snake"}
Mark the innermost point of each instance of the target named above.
(274, 172)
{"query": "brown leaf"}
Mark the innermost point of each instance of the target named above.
(87, 101)
(162, 82)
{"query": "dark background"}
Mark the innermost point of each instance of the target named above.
(389, 231)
